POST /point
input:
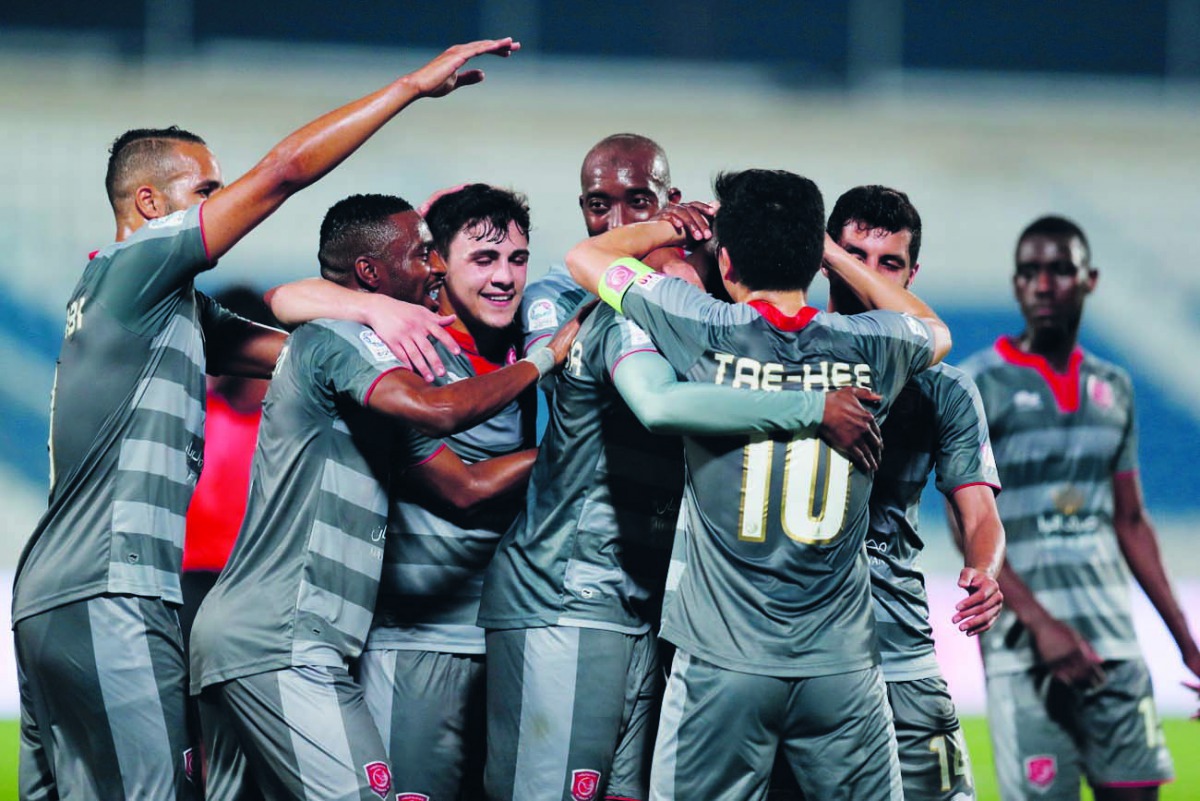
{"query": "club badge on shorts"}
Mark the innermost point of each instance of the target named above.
(585, 784)
(1040, 771)
(189, 766)
(379, 777)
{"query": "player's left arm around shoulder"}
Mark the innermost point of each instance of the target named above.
(1139, 545)
(464, 487)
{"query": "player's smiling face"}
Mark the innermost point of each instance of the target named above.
(885, 252)
(409, 270)
(1052, 280)
(485, 274)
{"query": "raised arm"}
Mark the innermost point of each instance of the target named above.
(665, 405)
(1139, 545)
(311, 152)
(973, 509)
(404, 327)
(588, 260)
(877, 292)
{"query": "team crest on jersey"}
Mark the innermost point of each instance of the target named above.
(1026, 401)
(411, 797)
(189, 767)
(170, 221)
(648, 280)
(585, 784)
(1040, 771)
(379, 777)
(541, 315)
(376, 346)
(1100, 392)
(987, 457)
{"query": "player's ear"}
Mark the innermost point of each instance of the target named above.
(1093, 275)
(149, 202)
(674, 195)
(725, 266)
(913, 275)
(581, 201)
(366, 272)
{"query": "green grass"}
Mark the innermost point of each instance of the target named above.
(1183, 736)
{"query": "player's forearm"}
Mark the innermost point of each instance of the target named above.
(588, 260)
(445, 410)
(1139, 544)
(666, 405)
(981, 530)
(1021, 600)
(248, 350)
(312, 298)
(491, 479)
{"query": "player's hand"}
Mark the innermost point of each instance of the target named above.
(850, 429)
(1070, 658)
(564, 337)
(1194, 687)
(406, 329)
(692, 221)
(978, 611)
(441, 76)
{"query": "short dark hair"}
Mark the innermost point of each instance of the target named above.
(876, 206)
(246, 301)
(1056, 225)
(357, 226)
(138, 152)
(772, 223)
(479, 208)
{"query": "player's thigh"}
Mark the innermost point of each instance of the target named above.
(428, 707)
(107, 676)
(934, 764)
(1031, 724)
(35, 774)
(839, 740)
(305, 732)
(718, 733)
(643, 701)
(556, 701)
(1123, 738)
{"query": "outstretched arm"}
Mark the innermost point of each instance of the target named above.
(974, 511)
(1139, 545)
(404, 327)
(462, 486)
(315, 149)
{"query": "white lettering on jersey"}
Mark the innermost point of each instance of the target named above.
(74, 316)
(742, 371)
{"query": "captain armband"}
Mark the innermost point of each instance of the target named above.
(617, 279)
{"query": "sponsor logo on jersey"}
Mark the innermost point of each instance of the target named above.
(1068, 499)
(379, 778)
(379, 351)
(1040, 771)
(542, 314)
(1100, 392)
(1027, 401)
(648, 281)
(618, 276)
(189, 766)
(585, 784)
(170, 221)
(411, 797)
(916, 326)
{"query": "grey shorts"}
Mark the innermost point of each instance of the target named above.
(571, 713)
(1047, 736)
(300, 732)
(102, 687)
(934, 763)
(429, 708)
(721, 730)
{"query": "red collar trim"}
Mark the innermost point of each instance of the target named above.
(92, 255)
(1065, 386)
(782, 321)
(478, 362)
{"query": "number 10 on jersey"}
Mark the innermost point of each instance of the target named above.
(815, 490)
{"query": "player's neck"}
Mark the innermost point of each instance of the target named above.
(493, 344)
(1055, 346)
(789, 302)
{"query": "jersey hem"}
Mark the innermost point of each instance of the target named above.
(83, 594)
(467, 650)
(758, 669)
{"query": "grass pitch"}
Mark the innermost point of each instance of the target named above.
(1183, 737)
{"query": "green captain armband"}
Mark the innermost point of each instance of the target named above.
(617, 279)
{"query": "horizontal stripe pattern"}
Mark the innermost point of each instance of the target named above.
(353, 487)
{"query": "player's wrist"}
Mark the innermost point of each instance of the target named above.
(543, 359)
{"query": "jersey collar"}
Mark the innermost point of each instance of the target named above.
(471, 349)
(782, 321)
(1064, 386)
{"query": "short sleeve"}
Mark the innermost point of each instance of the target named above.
(683, 321)
(546, 305)
(623, 337)
(898, 346)
(414, 448)
(349, 359)
(963, 454)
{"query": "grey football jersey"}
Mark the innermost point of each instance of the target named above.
(591, 547)
(126, 423)
(1059, 440)
(300, 585)
(936, 421)
(769, 574)
(434, 559)
(548, 303)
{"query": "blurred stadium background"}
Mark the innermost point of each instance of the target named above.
(987, 113)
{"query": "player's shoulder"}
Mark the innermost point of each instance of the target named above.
(1105, 369)
(943, 378)
(982, 362)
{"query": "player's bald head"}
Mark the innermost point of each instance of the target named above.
(619, 149)
(141, 157)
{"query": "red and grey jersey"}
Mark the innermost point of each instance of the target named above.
(126, 423)
(769, 572)
(1059, 440)
(300, 585)
(435, 558)
(591, 547)
(937, 421)
(548, 303)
